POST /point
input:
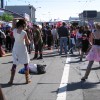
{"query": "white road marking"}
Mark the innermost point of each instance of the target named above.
(64, 81)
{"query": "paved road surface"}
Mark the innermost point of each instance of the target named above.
(60, 82)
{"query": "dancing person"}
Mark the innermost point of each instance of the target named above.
(20, 53)
(94, 53)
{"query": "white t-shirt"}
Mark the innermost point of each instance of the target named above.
(54, 32)
(33, 68)
(78, 35)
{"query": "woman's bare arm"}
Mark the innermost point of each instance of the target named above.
(91, 38)
(27, 39)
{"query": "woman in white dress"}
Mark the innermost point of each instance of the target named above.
(20, 53)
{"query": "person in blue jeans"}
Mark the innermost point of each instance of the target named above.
(71, 43)
(63, 44)
(63, 35)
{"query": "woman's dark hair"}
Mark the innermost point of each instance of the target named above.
(20, 23)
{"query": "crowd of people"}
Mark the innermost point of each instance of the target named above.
(6, 40)
(65, 38)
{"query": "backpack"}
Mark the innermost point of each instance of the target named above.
(41, 69)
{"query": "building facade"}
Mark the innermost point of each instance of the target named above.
(22, 10)
(85, 18)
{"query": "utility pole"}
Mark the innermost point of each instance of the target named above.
(2, 4)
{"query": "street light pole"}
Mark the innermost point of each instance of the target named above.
(6, 3)
(2, 4)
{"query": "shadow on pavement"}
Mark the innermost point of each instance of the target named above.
(81, 85)
(8, 62)
(51, 52)
(46, 56)
(74, 55)
(96, 68)
(50, 55)
(78, 85)
(84, 60)
(4, 85)
(78, 61)
(48, 83)
(87, 85)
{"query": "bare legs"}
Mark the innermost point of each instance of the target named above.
(27, 73)
(13, 70)
(87, 70)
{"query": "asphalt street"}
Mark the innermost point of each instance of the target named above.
(49, 86)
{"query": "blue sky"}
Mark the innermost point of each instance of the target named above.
(57, 9)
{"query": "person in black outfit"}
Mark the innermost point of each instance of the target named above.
(63, 35)
(49, 38)
(8, 40)
(87, 31)
(85, 45)
(2, 37)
